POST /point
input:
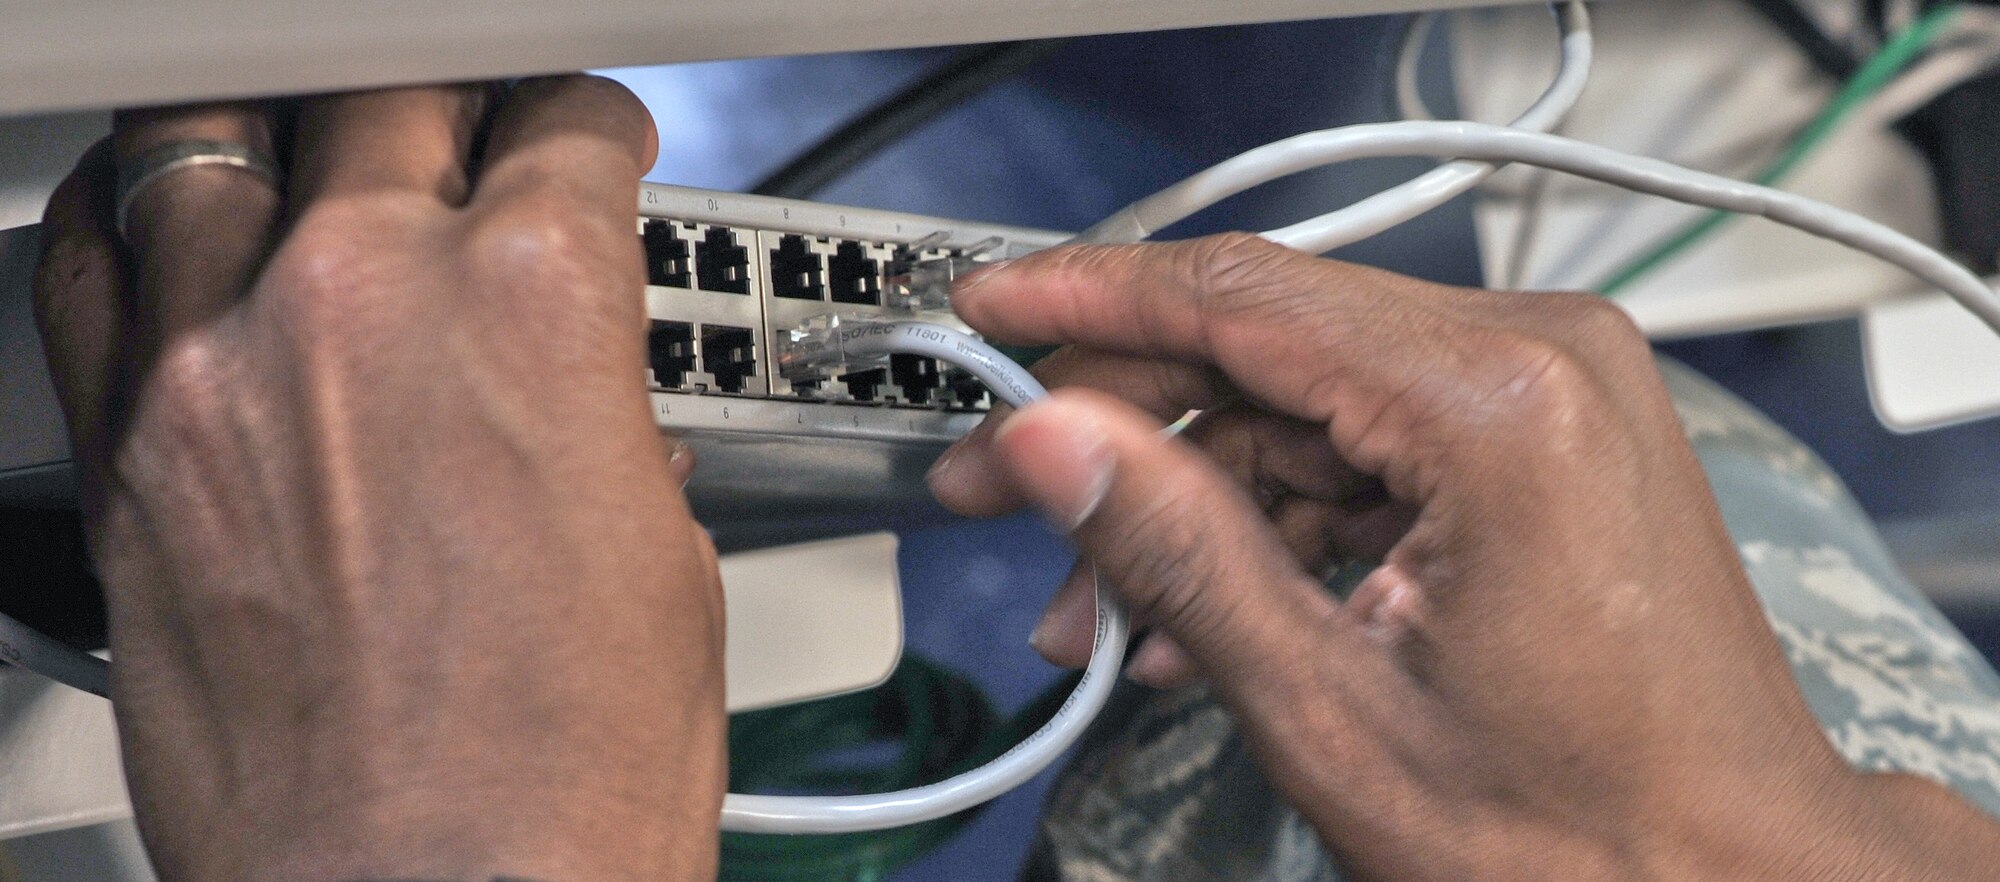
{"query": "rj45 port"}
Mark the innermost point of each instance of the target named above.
(854, 277)
(720, 264)
(670, 353)
(666, 256)
(729, 355)
(796, 270)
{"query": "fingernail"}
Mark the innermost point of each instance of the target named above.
(1067, 626)
(940, 474)
(1073, 460)
(966, 473)
(1044, 632)
(963, 474)
(682, 457)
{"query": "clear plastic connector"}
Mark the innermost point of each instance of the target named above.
(817, 349)
(925, 284)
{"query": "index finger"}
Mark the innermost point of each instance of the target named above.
(1275, 321)
(1419, 384)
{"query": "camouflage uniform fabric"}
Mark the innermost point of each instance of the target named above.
(1163, 789)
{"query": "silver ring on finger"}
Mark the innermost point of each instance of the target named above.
(134, 177)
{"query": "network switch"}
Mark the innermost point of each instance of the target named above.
(779, 461)
(729, 277)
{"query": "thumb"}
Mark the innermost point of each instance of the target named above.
(1335, 722)
(1187, 549)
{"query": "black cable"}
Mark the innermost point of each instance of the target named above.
(1875, 17)
(968, 74)
(1829, 56)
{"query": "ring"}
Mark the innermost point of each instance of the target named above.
(154, 164)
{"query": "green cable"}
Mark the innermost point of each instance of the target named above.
(1878, 72)
(940, 724)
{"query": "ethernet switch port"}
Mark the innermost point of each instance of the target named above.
(795, 270)
(729, 355)
(666, 256)
(965, 392)
(918, 377)
(865, 386)
(854, 277)
(670, 354)
(720, 264)
(812, 389)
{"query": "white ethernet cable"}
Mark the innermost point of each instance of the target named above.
(1501, 144)
(832, 346)
(1396, 206)
(31, 650)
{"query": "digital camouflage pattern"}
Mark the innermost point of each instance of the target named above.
(1163, 788)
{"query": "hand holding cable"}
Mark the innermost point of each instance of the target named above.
(1527, 684)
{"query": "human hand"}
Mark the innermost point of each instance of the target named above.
(401, 580)
(1559, 669)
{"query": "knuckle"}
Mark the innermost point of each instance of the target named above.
(528, 240)
(343, 277)
(1249, 288)
(186, 406)
(323, 264)
(1231, 270)
(1596, 324)
(567, 271)
(1081, 266)
(1536, 380)
(187, 374)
